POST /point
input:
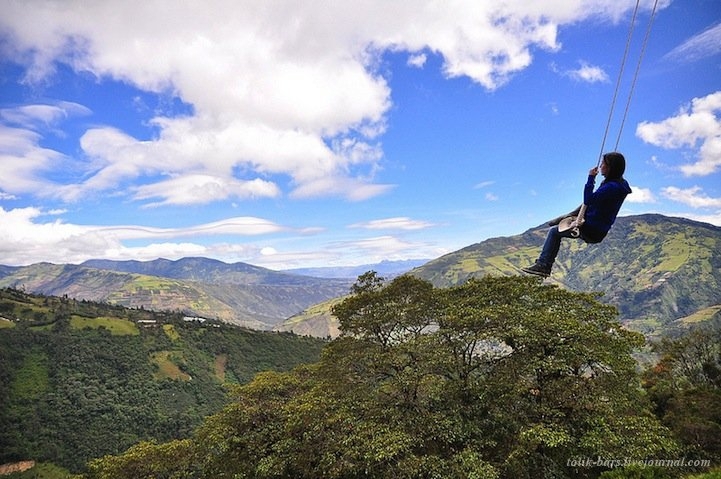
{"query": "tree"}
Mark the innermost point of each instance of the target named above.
(685, 386)
(530, 375)
(498, 377)
(171, 460)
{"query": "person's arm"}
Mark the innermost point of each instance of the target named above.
(590, 183)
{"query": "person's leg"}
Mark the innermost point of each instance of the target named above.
(551, 246)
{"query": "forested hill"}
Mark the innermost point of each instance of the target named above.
(500, 377)
(238, 293)
(80, 379)
(660, 272)
(653, 268)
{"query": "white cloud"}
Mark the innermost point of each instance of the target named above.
(389, 244)
(353, 189)
(23, 240)
(387, 247)
(199, 189)
(588, 73)
(491, 196)
(417, 60)
(696, 126)
(398, 223)
(25, 237)
(702, 45)
(23, 162)
(275, 87)
(693, 197)
(483, 184)
(239, 226)
(714, 219)
(641, 195)
(30, 115)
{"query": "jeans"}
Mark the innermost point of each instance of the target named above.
(551, 246)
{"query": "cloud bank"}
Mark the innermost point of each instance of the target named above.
(284, 97)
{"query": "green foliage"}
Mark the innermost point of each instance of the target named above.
(116, 326)
(709, 475)
(69, 394)
(31, 379)
(685, 387)
(498, 377)
(172, 460)
(639, 472)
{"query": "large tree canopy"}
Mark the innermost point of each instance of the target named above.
(498, 377)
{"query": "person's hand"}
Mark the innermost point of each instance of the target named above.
(593, 171)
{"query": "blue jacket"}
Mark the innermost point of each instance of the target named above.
(602, 207)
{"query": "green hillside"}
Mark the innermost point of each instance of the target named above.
(236, 293)
(80, 379)
(654, 269)
(317, 321)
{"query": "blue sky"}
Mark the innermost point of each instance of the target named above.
(295, 134)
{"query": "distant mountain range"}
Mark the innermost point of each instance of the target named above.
(238, 293)
(386, 269)
(661, 273)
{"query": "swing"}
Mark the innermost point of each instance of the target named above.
(575, 219)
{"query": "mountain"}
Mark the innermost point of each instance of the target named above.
(79, 380)
(658, 271)
(386, 269)
(662, 273)
(316, 321)
(204, 270)
(239, 293)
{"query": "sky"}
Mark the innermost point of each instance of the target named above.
(308, 133)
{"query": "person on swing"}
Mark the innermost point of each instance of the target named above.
(602, 206)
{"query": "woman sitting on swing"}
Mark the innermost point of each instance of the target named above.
(601, 209)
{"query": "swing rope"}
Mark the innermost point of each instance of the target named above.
(635, 75)
(618, 82)
(575, 224)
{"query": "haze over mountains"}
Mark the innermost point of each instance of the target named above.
(387, 269)
(658, 271)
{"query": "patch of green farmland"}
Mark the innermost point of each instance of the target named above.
(116, 326)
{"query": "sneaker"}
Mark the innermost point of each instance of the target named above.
(538, 270)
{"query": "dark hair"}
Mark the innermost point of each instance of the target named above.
(616, 164)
